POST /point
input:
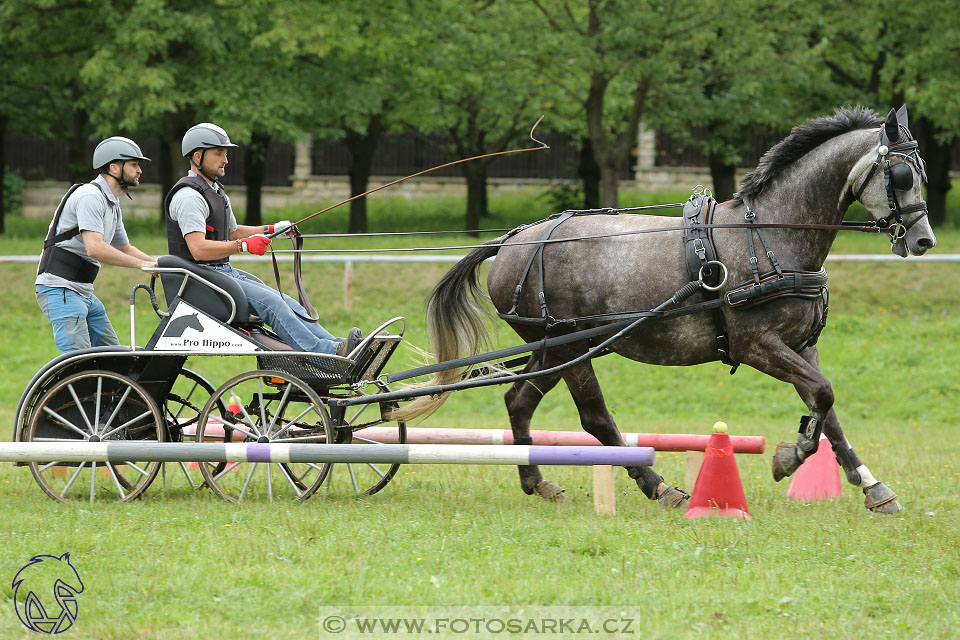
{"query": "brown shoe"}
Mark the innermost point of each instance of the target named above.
(354, 337)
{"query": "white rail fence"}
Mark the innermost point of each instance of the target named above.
(349, 260)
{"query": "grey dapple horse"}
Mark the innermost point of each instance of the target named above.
(811, 177)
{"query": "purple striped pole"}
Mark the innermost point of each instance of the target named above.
(137, 450)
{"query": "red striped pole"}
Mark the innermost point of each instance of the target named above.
(659, 441)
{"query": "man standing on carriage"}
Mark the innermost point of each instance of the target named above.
(87, 230)
(202, 228)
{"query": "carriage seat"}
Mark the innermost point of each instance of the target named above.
(210, 291)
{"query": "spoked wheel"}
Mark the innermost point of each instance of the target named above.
(95, 406)
(269, 407)
(365, 478)
(181, 410)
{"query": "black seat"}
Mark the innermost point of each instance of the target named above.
(194, 287)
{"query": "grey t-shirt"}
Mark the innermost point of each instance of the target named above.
(190, 211)
(92, 207)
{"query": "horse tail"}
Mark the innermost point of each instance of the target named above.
(455, 327)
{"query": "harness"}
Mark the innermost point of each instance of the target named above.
(702, 263)
(61, 262)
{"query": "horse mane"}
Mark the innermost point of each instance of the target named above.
(802, 139)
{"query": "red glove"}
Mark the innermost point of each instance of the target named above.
(255, 244)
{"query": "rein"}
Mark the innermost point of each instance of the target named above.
(865, 227)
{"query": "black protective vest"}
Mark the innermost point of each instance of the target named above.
(61, 262)
(217, 228)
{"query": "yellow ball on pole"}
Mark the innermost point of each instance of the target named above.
(719, 427)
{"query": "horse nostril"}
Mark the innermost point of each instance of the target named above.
(926, 243)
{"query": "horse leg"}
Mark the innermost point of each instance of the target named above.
(597, 421)
(522, 400)
(878, 497)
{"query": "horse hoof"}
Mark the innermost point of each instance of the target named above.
(881, 499)
(785, 461)
(549, 491)
(672, 498)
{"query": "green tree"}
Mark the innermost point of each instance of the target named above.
(185, 63)
(470, 89)
(888, 53)
(615, 58)
(745, 82)
(352, 62)
(43, 46)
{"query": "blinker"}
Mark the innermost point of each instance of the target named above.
(899, 177)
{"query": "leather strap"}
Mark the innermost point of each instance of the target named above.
(297, 278)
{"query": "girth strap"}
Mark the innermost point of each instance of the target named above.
(798, 284)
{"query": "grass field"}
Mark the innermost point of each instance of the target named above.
(180, 564)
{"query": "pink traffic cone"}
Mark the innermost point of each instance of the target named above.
(718, 491)
(818, 478)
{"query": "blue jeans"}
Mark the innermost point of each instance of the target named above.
(277, 311)
(77, 322)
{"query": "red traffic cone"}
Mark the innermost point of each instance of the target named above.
(818, 478)
(718, 491)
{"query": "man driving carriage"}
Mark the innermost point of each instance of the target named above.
(87, 230)
(202, 228)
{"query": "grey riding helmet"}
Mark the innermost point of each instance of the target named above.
(205, 135)
(116, 148)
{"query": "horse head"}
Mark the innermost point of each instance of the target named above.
(888, 182)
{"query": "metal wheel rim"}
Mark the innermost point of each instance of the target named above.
(366, 478)
(267, 416)
(124, 480)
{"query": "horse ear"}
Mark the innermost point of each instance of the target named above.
(65, 557)
(902, 117)
(890, 127)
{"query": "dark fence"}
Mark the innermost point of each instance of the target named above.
(402, 155)
(48, 160)
(395, 156)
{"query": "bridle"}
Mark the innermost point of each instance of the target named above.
(897, 177)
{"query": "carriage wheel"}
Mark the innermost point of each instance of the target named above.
(365, 478)
(95, 406)
(181, 410)
(267, 407)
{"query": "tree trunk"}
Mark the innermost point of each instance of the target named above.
(254, 169)
(589, 172)
(173, 165)
(79, 160)
(362, 147)
(165, 174)
(610, 184)
(938, 158)
(476, 175)
(3, 173)
(724, 178)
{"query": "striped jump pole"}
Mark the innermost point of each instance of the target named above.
(659, 441)
(123, 450)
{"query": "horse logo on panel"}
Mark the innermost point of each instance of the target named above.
(178, 325)
(45, 594)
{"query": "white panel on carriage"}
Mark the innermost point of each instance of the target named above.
(190, 329)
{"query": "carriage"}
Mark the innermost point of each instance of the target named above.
(132, 393)
(756, 299)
